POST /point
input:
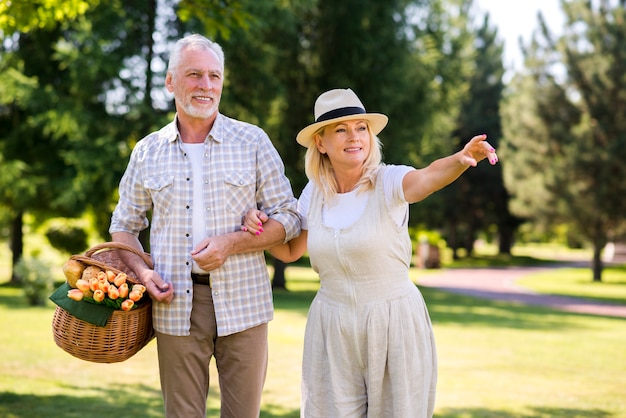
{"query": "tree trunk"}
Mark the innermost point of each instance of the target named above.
(278, 281)
(17, 243)
(597, 262)
(469, 244)
(453, 241)
(505, 240)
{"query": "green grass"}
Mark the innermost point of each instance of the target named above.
(578, 282)
(496, 359)
(521, 255)
(499, 359)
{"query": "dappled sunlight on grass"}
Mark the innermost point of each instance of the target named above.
(578, 282)
(496, 359)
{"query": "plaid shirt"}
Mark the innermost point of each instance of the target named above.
(241, 170)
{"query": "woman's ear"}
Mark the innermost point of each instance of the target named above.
(317, 138)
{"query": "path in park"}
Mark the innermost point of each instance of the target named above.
(500, 284)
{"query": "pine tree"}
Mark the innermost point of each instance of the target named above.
(565, 130)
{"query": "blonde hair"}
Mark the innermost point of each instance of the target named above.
(319, 170)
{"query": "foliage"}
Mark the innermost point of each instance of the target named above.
(83, 88)
(478, 199)
(72, 86)
(36, 279)
(565, 137)
(67, 237)
(28, 15)
(219, 18)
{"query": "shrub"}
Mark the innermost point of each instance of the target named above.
(67, 238)
(36, 278)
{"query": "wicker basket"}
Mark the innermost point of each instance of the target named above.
(125, 333)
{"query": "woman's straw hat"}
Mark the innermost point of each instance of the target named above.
(338, 105)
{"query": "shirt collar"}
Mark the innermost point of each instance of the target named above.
(217, 131)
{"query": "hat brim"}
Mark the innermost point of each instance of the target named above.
(376, 122)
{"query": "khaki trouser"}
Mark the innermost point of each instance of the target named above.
(241, 361)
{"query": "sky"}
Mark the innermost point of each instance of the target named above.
(515, 18)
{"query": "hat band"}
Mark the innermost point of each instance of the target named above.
(342, 111)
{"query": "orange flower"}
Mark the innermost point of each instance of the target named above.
(123, 289)
(103, 284)
(139, 288)
(93, 284)
(75, 294)
(113, 292)
(82, 285)
(135, 295)
(110, 276)
(119, 279)
(127, 305)
(98, 295)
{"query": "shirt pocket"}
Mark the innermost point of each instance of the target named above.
(240, 188)
(162, 191)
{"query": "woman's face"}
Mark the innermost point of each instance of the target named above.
(346, 143)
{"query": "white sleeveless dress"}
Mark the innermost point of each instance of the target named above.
(369, 349)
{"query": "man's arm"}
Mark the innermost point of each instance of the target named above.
(212, 252)
(158, 288)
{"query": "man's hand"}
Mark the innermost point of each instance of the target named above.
(212, 252)
(157, 288)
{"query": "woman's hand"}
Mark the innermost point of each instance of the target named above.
(287, 252)
(253, 221)
(478, 149)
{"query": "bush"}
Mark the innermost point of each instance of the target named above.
(67, 238)
(36, 279)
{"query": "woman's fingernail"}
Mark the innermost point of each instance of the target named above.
(261, 230)
(260, 224)
(258, 232)
(244, 229)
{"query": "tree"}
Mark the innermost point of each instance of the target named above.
(443, 65)
(478, 199)
(262, 69)
(565, 135)
(63, 136)
(25, 16)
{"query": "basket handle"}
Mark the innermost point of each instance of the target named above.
(113, 245)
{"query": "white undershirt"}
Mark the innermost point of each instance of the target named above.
(347, 208)
(195, 152)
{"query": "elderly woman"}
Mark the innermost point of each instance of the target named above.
(369, 349)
